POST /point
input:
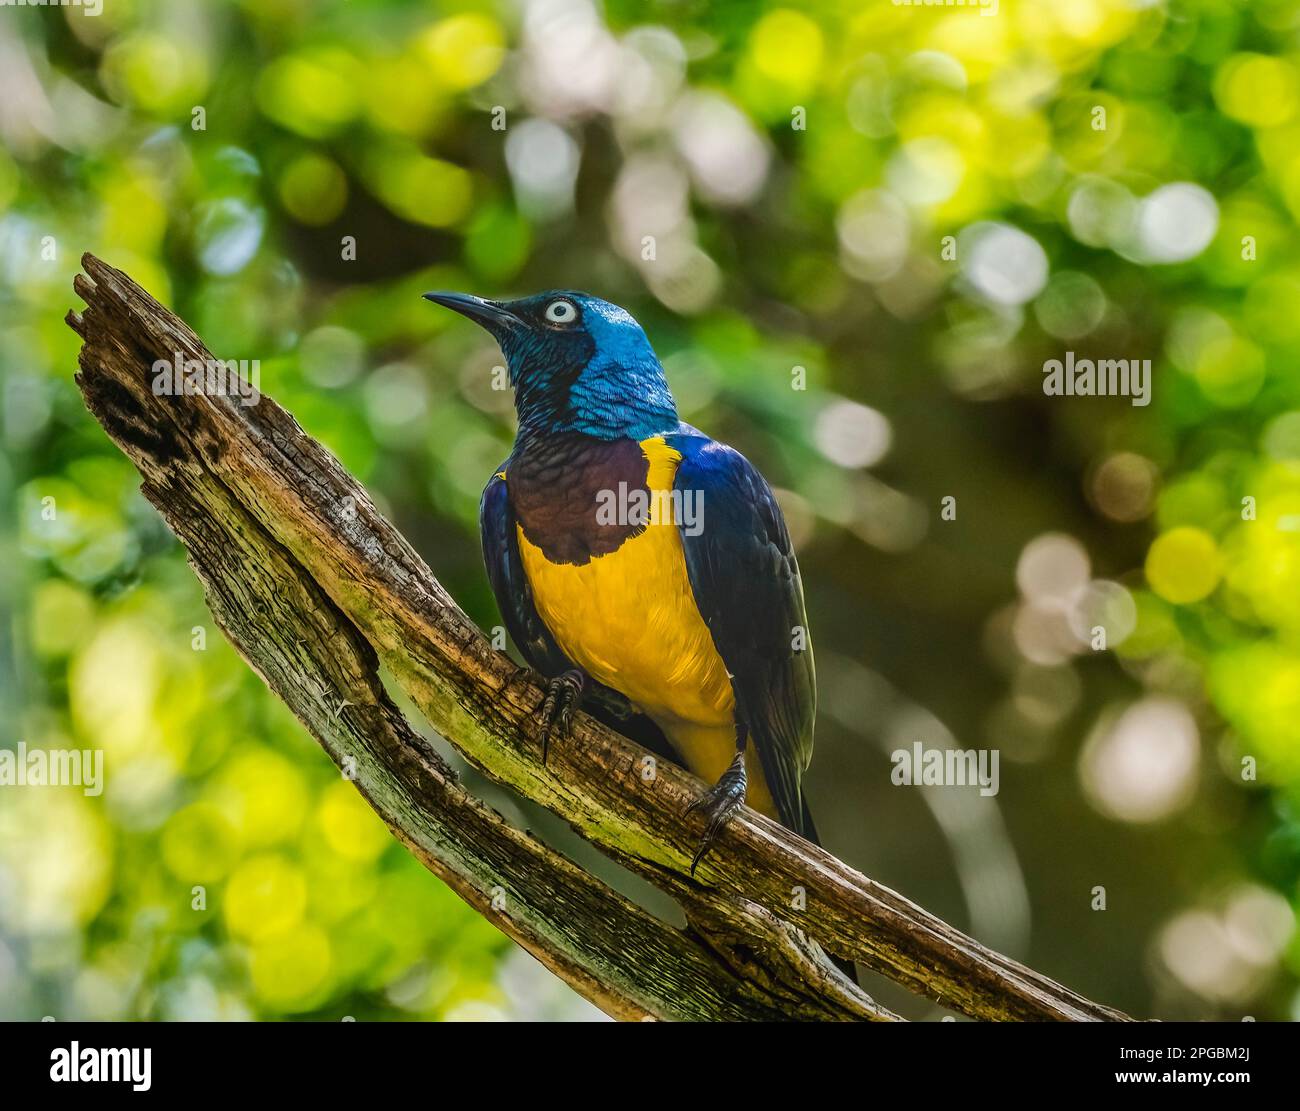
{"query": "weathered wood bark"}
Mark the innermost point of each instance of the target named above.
(316, 590)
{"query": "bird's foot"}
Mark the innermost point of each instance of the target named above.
(718, 803)
(563, 695)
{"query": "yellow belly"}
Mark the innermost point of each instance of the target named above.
(630, 621)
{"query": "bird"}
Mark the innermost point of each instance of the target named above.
(643, 568)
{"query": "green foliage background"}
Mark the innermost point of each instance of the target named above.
(798, 167)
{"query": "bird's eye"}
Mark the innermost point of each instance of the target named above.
(561, 312)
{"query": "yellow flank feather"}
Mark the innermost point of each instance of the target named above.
(629, 620)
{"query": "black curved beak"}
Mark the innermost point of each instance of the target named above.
(491, 315)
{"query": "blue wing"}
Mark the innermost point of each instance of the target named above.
(514, 598)
(746, 583)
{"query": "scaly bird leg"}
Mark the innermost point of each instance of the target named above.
(563, 696)
(722, 800)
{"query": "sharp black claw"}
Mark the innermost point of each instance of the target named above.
(719, 802)
(563, 693)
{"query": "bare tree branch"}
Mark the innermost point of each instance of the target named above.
(316, 590)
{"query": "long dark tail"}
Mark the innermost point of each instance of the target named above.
(810, 833)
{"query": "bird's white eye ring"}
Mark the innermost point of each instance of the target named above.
(561, 312)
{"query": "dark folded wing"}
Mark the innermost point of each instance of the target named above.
(746, 583)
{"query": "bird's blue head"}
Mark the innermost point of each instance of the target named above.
(577, 364)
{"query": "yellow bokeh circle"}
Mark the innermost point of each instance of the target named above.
(1184, 565)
